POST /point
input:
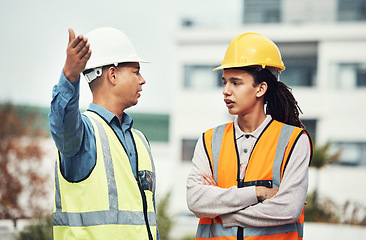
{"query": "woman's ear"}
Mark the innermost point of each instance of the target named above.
(261, 89)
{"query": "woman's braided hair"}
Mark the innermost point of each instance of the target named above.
(280, 103)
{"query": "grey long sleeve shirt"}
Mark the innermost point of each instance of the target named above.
(239, 206)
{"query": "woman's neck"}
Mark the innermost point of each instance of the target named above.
(250, 122)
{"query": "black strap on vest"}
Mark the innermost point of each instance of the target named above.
(264, 183)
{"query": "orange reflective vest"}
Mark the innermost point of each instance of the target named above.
(266, 166)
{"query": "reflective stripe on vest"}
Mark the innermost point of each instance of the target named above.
(206, 230)
(283, 137)
(116, 218)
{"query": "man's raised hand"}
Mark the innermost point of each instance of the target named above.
(77, 54)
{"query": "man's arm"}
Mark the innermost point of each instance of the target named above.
(65, 119)
(211, 201)
(286, 206)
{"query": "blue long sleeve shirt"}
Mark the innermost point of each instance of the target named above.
(74, 135)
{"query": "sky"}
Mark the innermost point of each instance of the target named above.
(34, 36)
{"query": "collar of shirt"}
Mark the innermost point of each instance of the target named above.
(239, 133)
(127, 121)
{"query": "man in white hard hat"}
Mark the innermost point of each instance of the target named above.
(104, 175)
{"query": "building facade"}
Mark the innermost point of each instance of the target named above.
(323, 46)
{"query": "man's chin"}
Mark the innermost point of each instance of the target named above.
(134, 103)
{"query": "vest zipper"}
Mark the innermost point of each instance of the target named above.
(143, 196)
(240, 233)
(144, 205)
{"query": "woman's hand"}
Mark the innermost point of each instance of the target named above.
(264, 193)
(208, 180)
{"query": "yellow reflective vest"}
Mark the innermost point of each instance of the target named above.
(110, 203)
(266, 166)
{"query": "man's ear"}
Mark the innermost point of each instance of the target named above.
(261, 89)
(112, 75)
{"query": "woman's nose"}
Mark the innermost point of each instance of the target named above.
(226, 90)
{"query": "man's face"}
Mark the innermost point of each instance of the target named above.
(129, 84)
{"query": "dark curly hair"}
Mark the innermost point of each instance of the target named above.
(279, 101)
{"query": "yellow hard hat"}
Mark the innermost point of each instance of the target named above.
(249, 49)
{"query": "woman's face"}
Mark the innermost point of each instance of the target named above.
(240, 94)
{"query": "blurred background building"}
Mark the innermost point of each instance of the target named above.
(323, 45)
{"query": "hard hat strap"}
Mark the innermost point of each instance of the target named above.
(95, 73)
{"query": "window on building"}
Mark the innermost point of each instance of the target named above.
(201, 76)
(350, 75)
(188, 146)
(351, 10)
(154, 126)
(264, 11)
(310, 125)
(300, 71)
(351, 153)
(300, 59)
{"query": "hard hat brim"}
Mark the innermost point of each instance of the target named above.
(226, 66)
(103, 63)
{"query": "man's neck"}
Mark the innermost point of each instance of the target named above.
(111, 106)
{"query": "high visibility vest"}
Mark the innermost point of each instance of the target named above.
(266, 166)
(110, 203)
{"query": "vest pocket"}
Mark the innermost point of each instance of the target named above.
(147, 180)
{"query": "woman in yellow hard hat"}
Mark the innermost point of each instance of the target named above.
(250, 176)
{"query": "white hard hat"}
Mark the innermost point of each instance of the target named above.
(108, 46)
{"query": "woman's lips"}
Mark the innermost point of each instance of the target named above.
(229, 103)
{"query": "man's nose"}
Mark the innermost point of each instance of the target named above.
(142, 80)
